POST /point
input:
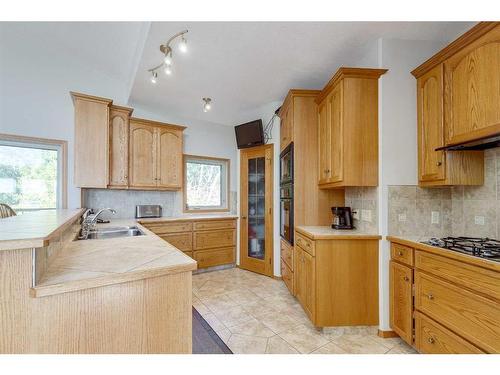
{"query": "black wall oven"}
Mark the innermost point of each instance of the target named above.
(286, 194)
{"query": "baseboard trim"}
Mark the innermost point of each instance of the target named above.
(386, 334)
(277, 277)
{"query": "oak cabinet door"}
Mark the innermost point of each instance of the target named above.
(335, 110)
(430, 125)
(169, 168)
(142, 156)
(299, 275)
(324, 141)
(400, 300)
(285, 129)
(119, 148)
(472, 90)
(309, 284)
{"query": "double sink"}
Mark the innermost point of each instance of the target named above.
(112, 232)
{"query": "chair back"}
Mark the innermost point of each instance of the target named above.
(6, 211)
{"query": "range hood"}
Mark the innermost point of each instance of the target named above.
(478, 144)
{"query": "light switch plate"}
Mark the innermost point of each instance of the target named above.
(366, 215)
(479, 220)
(435, 217)
(402, 217)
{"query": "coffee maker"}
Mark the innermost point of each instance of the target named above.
(342, 218)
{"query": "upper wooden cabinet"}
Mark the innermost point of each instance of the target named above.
(348, 129)
(155, 155)
(113, 150)
(119, 123)
(91, 140)
(286, 126)
(458, 91)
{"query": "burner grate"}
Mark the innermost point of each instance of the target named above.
(479, 247)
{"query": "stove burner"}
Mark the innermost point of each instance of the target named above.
(480, 247)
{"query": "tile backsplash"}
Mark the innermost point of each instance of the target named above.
(124, 201)
(457, 211)
(364, 200)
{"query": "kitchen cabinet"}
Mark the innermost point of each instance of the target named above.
(119, 123)
(401, 300)
(286, 127)
(472, 88)
(348, 129)
(91, 140)
(443, 302)
(322, 264)
(211, 242)
(113, 150)
(155, 155)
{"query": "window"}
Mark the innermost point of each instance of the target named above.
(206, 184)
(32, 173)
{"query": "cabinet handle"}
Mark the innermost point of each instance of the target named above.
(400, 253)
(430, 296)
(439, 163)
(244, 217)
(406, 278)
(430, 340)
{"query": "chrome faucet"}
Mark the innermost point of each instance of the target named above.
(90, 220)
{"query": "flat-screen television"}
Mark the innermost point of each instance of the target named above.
(249, 134)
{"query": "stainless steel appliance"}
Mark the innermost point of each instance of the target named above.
(286, 194)
(342, 218)
(478, 247)
(147, 210)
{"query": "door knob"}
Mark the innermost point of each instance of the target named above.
(244, 217)
(439, 163)
(430, 296)
(406, 278)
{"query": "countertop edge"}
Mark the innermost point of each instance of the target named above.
(28, 243)
(346, 236)
(111, 279)
(446, 253)
(167, 219)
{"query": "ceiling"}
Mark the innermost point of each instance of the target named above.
(244, 65)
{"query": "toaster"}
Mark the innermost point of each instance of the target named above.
(147, 210)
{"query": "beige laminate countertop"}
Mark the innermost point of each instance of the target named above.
(416, 242)
(34, 229)
(184, 217)
(327, 233)
(93, 263)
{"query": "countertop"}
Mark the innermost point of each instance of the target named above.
(34, 229)
(93, 263)
(189, 216)
(416, 242)
(327, 233)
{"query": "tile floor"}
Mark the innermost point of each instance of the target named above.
(254, 314)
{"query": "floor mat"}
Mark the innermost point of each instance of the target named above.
(205, 340)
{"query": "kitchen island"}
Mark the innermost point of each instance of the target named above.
(117, 295)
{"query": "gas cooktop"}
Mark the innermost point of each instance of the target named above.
(486, 248)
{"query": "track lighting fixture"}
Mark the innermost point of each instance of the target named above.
(207, 106)
(167, 51)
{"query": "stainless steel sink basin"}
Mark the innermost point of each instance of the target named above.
(113, 232)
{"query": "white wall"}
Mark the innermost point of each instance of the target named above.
(397, 136)
(35, 80)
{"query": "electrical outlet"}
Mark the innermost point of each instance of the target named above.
(366, 215)
(435, 217)
(402, 218)
(479, 220)
(355, 214)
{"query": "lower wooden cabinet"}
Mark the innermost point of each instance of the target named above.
(401, 300)
(287, 265)
(336, 280)
(287, 276)
(432, 338)
(444, 303)
(208, 241)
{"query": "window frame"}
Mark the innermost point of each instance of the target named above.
(185, 207)
(62, 162)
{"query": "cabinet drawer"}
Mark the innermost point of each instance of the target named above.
(305, 243)
(432, 338)
(214, 239)
(471, 316)
(161, 228)
(182, 241)
(215, 224)
(476, 278)
(401, 253)
(287, 275)
(287, 254)
(214, 257)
